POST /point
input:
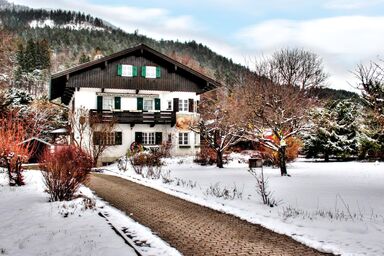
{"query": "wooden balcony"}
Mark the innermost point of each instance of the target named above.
(133, 117)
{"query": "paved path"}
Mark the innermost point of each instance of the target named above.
(190, 228)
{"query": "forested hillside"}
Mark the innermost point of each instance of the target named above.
(75, 37)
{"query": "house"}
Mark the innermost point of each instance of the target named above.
(151, 97)
(37, 147)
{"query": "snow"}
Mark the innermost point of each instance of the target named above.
(30, 225)
(334, 207)
(73, 26)
(42, 23)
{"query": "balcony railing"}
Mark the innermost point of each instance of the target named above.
(133, 117)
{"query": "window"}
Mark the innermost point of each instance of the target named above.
(183, 138)
(169, 105)
(108, 103)
(147, 104)
(107, 138)
(149, 138)
(183, 105)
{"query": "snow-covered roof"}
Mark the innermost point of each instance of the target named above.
(37, 139)
(60, 130)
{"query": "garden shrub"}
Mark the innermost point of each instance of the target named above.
(64, 171)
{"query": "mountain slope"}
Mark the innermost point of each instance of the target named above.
(72, 34)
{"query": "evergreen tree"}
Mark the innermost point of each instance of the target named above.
(335, 131)
(84, 58)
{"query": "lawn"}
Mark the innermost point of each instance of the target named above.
(336, 207)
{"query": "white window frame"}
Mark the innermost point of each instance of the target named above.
(108, 103)
(183, 105)
(152, 104)
(184, 139)
(169, 105)
(149, 138)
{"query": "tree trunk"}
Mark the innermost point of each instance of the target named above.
(219, 160)
(282, 160)
(326, 157)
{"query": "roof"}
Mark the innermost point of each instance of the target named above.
(59, 131)
(37, 139)
(59, 80)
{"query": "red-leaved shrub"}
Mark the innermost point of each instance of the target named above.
(64, 171)
(13, 153)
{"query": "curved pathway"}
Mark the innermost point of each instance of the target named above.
(190, 228)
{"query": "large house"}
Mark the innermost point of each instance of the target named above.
(151, 97)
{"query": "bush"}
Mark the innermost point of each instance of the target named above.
(64, 171)
(271, 157)
(206, 156)
(13, 153)
(149, 160)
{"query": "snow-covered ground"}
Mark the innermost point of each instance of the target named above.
(335, 207)
(30, 225)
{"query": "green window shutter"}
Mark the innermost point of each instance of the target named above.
(119, 69)
(139, 103)
(159, 138)
(117, 102)
(138, 137)
(118, 138)
(158, 72)
(99, 103)
(143, 71)
(157, 104)
(134, 71)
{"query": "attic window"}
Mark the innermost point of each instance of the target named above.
(150, 72)
(126, 70)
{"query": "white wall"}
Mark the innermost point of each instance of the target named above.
(86, 97)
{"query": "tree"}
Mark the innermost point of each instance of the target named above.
(218, 126)
(7, 58)
(335, 131)
(33, 64)
(84, 58)
(371, 84)
(276, 98)
(293, 67)
(89, 132)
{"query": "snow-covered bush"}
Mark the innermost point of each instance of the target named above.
(64, 171)
(262, 188)
(147, 164)
(224, 192)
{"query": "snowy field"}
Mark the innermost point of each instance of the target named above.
(334, 207)
(30, 225)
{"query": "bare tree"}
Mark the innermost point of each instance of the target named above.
(218, 126)
(276, 98)
(293, 67)
(371, 84)
(90, 132)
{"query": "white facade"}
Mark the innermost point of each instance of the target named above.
(184, 141)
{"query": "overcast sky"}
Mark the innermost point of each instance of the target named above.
(343, 32)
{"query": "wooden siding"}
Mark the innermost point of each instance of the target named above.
(106, 77)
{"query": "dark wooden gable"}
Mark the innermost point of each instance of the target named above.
(103, 74)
